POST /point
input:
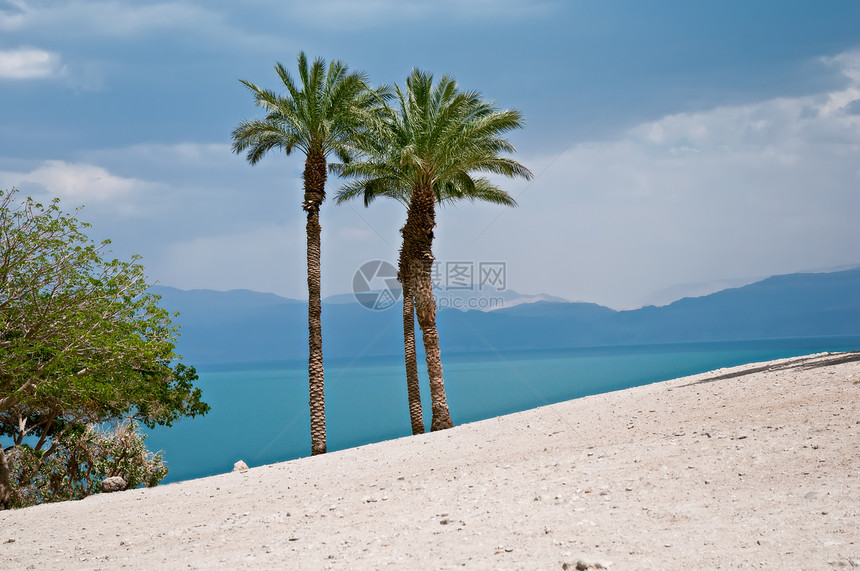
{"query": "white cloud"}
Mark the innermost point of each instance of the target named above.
(379, 13)
(211, 182)
(269, 258)
(101, 26)
(80, 182)
(848, 64)
(114, 18)
(124, 17)
(29, 63)
(194, 158)
(735, 191)
(12, 17)
(85, 20)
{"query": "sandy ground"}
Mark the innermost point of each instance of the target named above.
(757, 466)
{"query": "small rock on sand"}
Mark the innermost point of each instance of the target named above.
(582, 565)
(113, 484)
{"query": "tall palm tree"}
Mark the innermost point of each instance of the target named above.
(319, 116)
(445, 193)
(425, 152)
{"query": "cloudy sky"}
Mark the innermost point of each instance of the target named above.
(674, 142)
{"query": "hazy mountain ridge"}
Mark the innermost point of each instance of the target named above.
(676, 292)
(488, 299)
(240, 326)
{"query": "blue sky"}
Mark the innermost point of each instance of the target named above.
(674, 142)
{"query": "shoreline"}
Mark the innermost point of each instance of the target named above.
(754, 465)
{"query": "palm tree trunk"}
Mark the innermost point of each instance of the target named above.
(418, 242)
(426, 311)
(315, 176)
(413, 389)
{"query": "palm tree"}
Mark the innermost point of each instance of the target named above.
(319, 116)
(423, 153)
(444, 194)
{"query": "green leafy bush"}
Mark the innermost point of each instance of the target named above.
(80, 461)
(83, 342)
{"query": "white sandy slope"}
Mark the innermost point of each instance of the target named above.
(756, 470)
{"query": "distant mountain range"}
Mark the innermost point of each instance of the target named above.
(481, 300)
(244, 326)
(678, 291)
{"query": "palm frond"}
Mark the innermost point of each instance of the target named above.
(437, 134)
(325, 109)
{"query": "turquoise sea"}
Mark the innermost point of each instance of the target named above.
(260, 411)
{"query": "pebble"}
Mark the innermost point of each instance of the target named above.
(582, 565)
(113, 484)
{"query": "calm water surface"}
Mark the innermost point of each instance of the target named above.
(260, 410)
